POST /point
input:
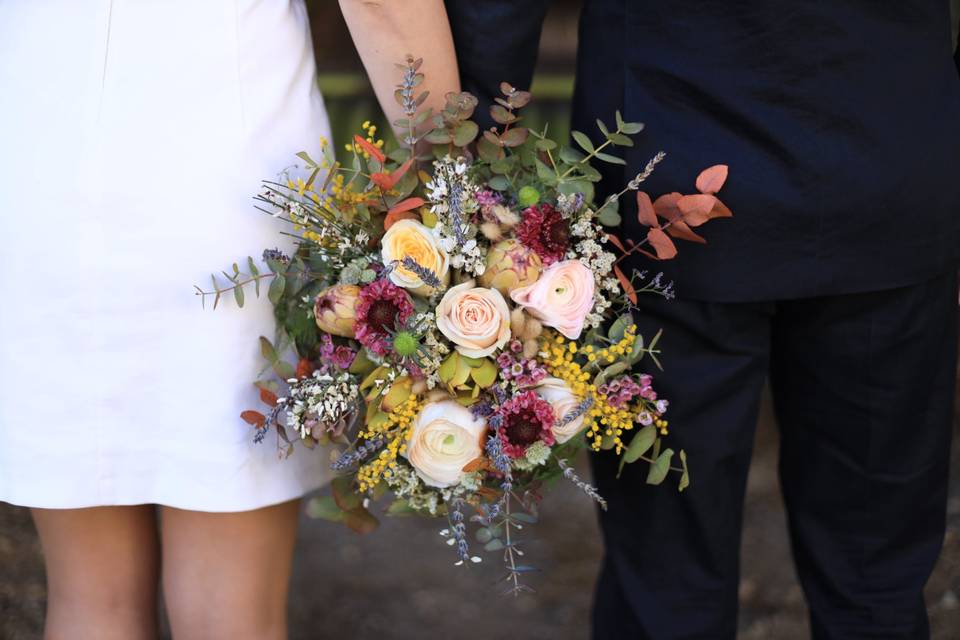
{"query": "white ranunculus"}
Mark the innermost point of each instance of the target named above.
(446, 436)
(562, 399)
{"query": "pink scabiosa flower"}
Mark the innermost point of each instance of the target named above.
(544, 230)
(526, 418)
(382, 307)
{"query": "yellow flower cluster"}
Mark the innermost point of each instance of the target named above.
(397, 429)
(604, 419)
(370, 132)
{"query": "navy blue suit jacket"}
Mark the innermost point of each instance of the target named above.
(840, 122)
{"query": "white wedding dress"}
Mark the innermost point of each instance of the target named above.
(133, 135)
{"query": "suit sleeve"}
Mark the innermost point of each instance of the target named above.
(496, 41)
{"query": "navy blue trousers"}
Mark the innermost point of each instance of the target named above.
(864, 389)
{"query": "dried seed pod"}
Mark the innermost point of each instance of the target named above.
(518, 322)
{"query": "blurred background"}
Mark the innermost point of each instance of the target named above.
(398, 583)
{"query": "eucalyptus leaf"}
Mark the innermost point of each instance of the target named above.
(640, 444)
(324, 508)
(660, 468)
(498, 183)
(275, 292)
(583, 140)
(570, 155)
(606, 157)
(238, 295)
(685, 478)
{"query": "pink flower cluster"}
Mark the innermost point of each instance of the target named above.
(338, 356)
(526, 418)
(524, 372)
(621, 391)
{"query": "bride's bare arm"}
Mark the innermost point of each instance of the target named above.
(386, 31)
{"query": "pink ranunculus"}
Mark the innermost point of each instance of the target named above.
(561, 298)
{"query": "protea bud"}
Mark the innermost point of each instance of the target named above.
(335, 309)
(510, 265)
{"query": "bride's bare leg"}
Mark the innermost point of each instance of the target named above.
(226, 575)
(102, 572)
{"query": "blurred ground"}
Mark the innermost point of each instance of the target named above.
(398, 584)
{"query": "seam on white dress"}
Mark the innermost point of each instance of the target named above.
(106, 58)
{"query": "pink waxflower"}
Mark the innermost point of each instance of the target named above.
(382, 308)
(526, 418)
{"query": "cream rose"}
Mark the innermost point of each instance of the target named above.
(409, 238)
(445, 437)
(562, 399)
(561, 298)
(475, 319)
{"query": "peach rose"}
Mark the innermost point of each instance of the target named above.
(335, 309)
(475, 319)
(561, 298)
(409, 238)
(445, 437)
(562, 399)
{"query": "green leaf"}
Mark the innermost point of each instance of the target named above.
(324, 508)
(238, 295)
(546, 145)
(399, 508)
(569, 187)
(465, 133)
(570, 155)
(632, 128)
(614, 369)
(344, 494)
(590, 173)
(606, 157)
(524, 517)
(485, 375)
(640, 444)
(303, 155)
(514, 137)
(619, 327)
(620, 140)
(685, 478)
(583, 141)
(438, 136)
(660, 468)
(255, 273)
(545, 173)
(284, 369)
(275, 293)
(602, 127)
(267, 350)
(494, 545)
(499, 183)
(608, 217)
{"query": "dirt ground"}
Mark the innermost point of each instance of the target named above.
(345, 586)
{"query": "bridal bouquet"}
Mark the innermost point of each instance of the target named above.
(460, 321)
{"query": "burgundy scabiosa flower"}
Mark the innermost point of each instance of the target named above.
(544, 230)
(526, 418)
(381, 308)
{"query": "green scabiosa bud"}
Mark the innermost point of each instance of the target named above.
(528, 196)
(405, 344)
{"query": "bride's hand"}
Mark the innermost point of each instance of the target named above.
(386, 31)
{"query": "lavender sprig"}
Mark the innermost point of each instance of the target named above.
(361, 453)
(572, 476)
(427, 276)
(576, 412)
